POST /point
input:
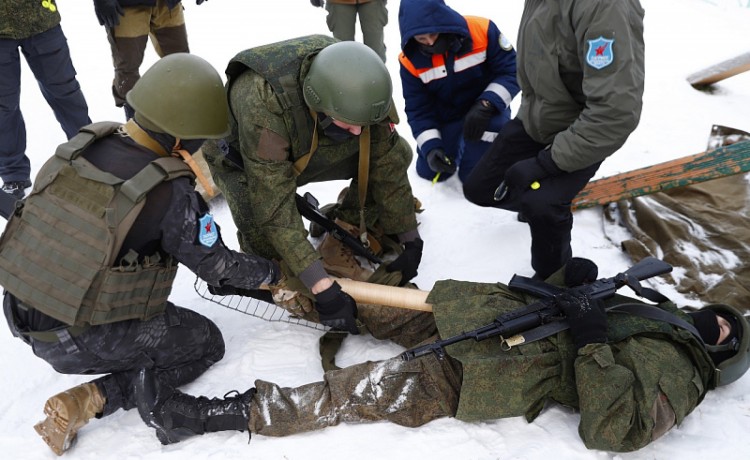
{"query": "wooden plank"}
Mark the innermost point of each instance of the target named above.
(691, 169)
(720, 71)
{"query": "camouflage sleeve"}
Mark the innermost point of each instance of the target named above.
(629, 401)
(190, 234)
(389, 186)
(265, 148)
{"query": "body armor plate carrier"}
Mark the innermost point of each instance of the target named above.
(58, 249)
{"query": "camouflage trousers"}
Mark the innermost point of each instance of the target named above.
(408, 393)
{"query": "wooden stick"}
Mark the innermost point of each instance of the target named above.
(392, 296)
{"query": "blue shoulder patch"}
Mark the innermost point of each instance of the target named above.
(600, 53)
(207, 234)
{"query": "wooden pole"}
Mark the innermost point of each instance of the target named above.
(392, 296)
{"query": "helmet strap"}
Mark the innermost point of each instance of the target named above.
(363, 175)
(132, 130)
(188, 158)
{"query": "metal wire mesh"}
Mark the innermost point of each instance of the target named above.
(253, 307)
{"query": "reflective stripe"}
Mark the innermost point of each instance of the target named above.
(435, 73)
(427, 136)
(469, 61)
(489, 136)
(500, 91)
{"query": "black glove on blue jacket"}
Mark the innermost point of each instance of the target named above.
(477, 119)
(337, 309)
(440, 162)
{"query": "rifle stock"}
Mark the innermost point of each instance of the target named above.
(545, 310)
(308, 208)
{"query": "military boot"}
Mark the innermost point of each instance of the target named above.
(339, 260)
(176, 416)
(66, 413)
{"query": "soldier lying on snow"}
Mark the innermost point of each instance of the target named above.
(631, 377)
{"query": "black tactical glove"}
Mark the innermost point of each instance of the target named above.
(525, 172)
(408, 261)
(337, 309)
(580, 271)
(587, 319)
(477, 119)
(440, 162)
(108, 12)
(319, 3)
(198, 2)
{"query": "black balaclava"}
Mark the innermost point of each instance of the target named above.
(708, 328)
(442, 44)
(336, 133)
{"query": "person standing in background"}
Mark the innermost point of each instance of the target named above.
(34, 28)
(342, 17)
(129, 23)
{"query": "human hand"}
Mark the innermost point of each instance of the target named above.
(408, 261)
(108, 12)
(525, 172)
(337, 309)
(477, 119)
(586, 317)
(440, 162)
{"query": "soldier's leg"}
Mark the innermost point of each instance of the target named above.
(550, 219)
(180, 344)
(127, 42)
(341, 20)
(48, 57)
(14, 164)
(373, 17)
(409, 393)
(168, 30)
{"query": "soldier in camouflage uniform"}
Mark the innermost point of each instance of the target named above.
(34, 27)
(311, 110)
(632, 378)
(342, 19)
(124, 322)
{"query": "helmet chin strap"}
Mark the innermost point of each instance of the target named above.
(178, 151)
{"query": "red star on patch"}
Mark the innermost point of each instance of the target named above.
(600, 50)
(208, 227)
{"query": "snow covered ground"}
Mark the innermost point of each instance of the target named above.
(462, 241)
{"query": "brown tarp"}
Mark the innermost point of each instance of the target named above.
(703, 229)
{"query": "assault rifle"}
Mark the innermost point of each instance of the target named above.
(543, 318)
(308, 208)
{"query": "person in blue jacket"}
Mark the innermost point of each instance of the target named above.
(459, 76)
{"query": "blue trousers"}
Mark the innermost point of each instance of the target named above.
(48, 57)
(466, 154)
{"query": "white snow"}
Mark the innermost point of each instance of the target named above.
(462, 241)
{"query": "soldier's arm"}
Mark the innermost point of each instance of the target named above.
(628, 402)
(191, 236)
(613, 93)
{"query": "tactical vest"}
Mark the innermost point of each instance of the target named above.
(280, 64)
(58, 249)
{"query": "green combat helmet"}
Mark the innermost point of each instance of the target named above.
(181, 95)
(734, 367)
(349, 82)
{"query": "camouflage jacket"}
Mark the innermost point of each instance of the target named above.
(631, 390)
(21, 19)
(265, 141)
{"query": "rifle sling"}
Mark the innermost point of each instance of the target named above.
(545, 290)
(636, 309)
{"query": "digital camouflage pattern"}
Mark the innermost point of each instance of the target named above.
(630, 391)
(260, 193)
(21, 19)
